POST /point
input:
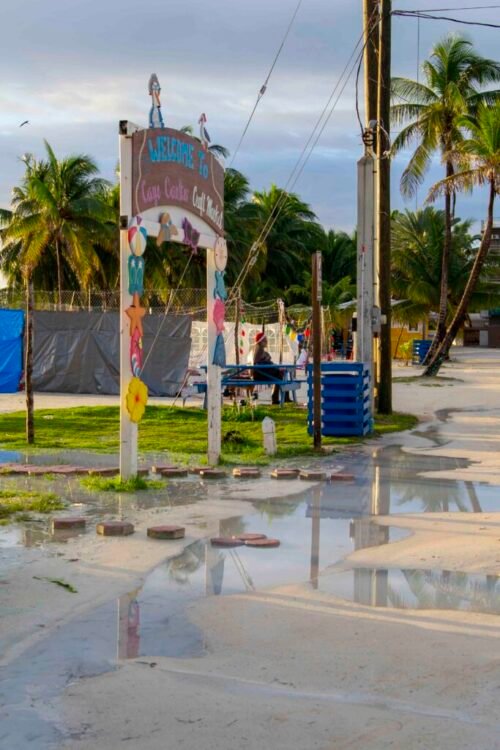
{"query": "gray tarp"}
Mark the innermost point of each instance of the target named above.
(78, 352)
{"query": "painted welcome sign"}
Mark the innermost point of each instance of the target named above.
(170, 168)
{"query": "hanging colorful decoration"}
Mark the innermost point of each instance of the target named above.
(167, 229)
(137, 236)
(155, 116)
(135, 274)
(137, 240)
(135, 314)
(136, 399)
(136, 353)
(220, 296)
(191, 235)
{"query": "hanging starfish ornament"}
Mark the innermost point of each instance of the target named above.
(136, 313)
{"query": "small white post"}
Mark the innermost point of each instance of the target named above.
(128, 429)
(214, 394)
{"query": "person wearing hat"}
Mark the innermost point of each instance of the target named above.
(262, 357)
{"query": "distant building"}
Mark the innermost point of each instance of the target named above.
(485, 328)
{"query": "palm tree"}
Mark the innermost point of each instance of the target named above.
(478, 159)
(292, 235)
(339, 256)
(454, 75)
(417, 241)
(58, 212)
(240, 221)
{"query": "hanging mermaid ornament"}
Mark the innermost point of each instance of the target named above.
(155, 116)
(220, 296)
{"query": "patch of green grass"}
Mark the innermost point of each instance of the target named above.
(179, 433)
(14, 501)
(58, 582)
(115, 484)
(431, 382)
(395, 422)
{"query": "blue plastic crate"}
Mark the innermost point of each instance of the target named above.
(345, 399)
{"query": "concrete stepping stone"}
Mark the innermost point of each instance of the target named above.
(173, 471)
(285, 473)
(213, 474)
(267, 543)
(313, 476)
(341, 476)
(166, 532)
(115, 528)
(226, 541)
(158, 468)
(68, 522)
(246, 472)
(249, 537)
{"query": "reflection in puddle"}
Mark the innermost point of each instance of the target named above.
(416, 589)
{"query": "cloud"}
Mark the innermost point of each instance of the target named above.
(75, 68)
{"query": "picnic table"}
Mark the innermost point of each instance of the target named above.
(242, 376)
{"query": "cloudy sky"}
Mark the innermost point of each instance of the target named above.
(76, 67)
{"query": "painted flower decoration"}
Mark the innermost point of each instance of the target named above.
(136, 398)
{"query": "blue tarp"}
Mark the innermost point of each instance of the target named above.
(11, 349)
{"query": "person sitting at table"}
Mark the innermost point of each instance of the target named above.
(262, 357)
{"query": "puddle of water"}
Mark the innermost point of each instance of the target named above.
(317, 530)
(416, 589)
(8, 456)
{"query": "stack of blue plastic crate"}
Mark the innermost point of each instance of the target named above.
(420, 349)
(345, 399)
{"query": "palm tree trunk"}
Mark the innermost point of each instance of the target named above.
(445, 262)
(59, 282)
(461, 311)
(28, 367)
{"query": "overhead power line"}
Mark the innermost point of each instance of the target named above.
(263, 88)
(429, 17)
(460, 9)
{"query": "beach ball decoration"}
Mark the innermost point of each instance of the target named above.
(137, 237)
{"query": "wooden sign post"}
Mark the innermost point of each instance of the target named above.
(171, 189)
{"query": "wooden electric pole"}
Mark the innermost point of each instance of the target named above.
(384, 207)
(371, 40)
(316, 332)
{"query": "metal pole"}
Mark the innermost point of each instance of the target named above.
(365, 275)
(316, 331)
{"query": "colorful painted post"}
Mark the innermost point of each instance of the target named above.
(214, 394)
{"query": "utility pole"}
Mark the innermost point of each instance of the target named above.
(371, 40)
(384, 207)
(316, 331)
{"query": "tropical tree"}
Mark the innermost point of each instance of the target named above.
(478, 160)
(58, 212)
(240, 221)
(454, 76)
(417, 242)
(339, 256)
(287, 234)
